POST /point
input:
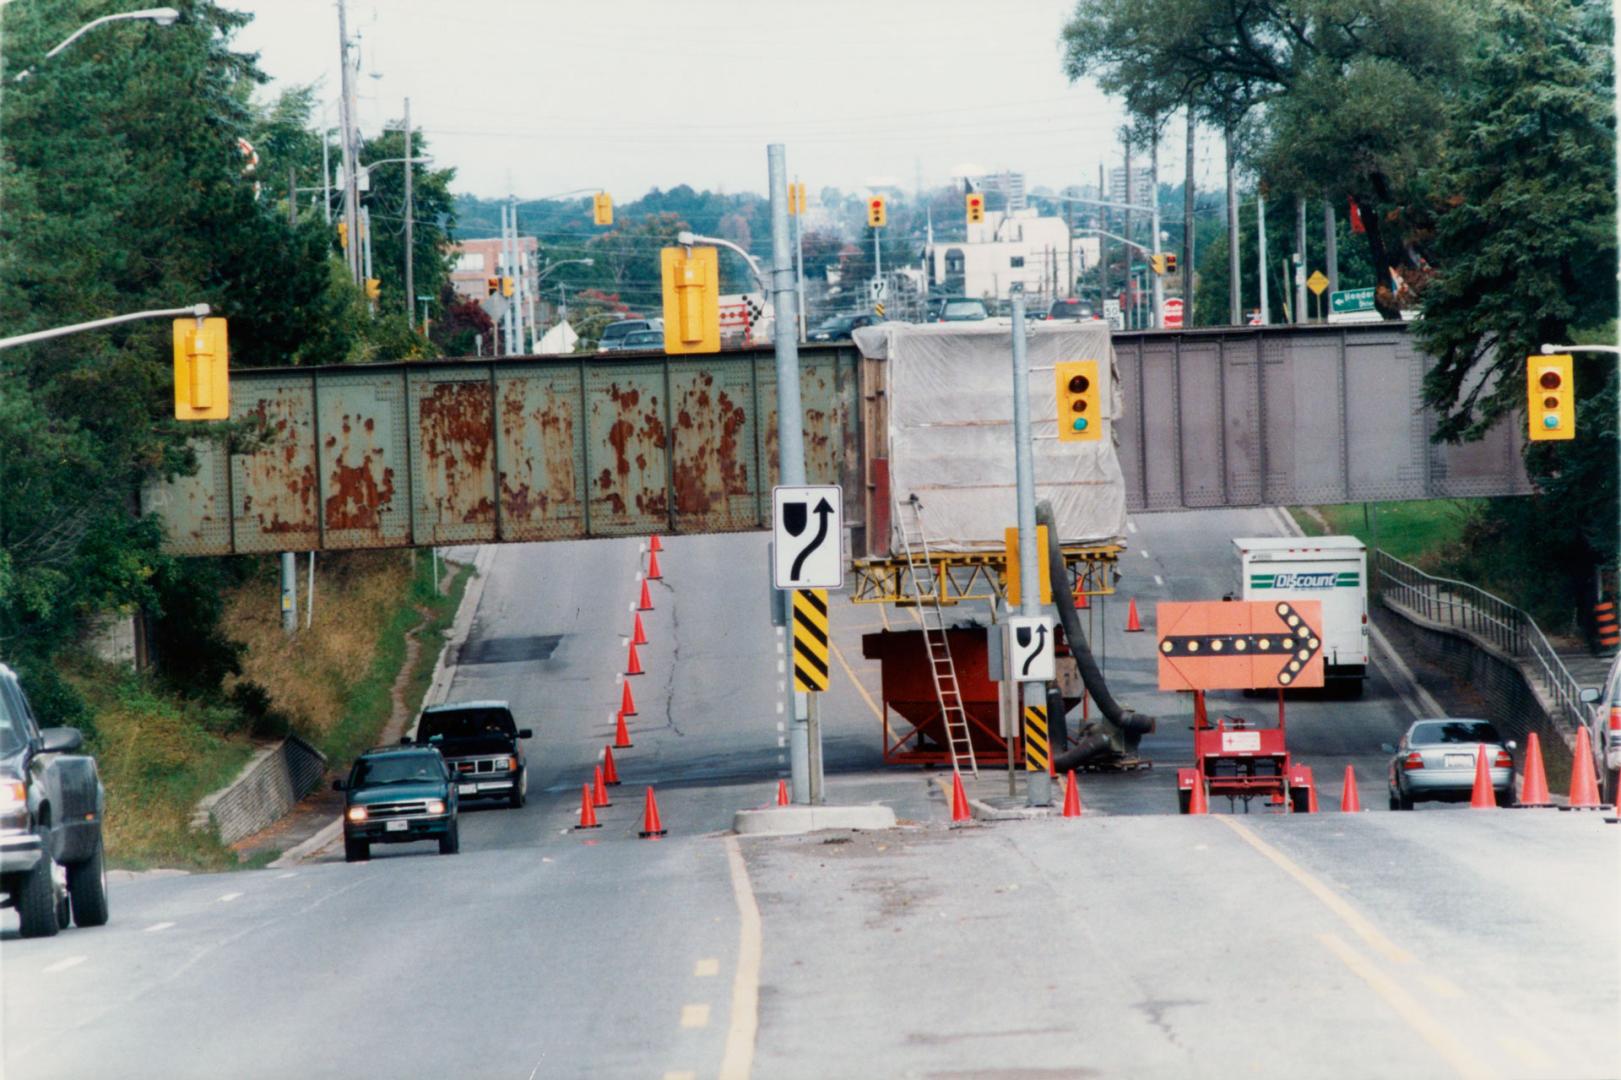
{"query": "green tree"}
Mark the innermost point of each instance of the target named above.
(434, 216)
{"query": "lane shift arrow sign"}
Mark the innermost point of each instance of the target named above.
(806, 558)
(823, 512)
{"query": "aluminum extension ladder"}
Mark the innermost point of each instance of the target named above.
(926, 591)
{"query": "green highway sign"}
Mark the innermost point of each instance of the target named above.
(1347, 301)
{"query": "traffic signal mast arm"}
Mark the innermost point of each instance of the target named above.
(198, 310)
(687, 240)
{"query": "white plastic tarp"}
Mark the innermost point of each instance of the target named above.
(950, 436)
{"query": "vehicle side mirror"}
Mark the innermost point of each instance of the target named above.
(1590, 695)
(338, 785)
(60, 740)
(405, 740)
(525, 733)
(1387, 748)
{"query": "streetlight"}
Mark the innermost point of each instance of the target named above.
(565, 262)
(688, 239)
(163, 16)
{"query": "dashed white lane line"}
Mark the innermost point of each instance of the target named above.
(706, 967)
(228, 897)
(155, 927)
(65, 963)
(1131, 526)
(284, 877)
(1145, 552)
(737, 1063)
(694, 1016)
(1158, 580)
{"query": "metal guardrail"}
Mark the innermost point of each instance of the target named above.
(1488, 619)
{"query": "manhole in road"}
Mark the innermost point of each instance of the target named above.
(508, 650)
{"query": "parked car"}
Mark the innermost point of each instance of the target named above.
(1435, 761)
(642, 341)
(482, 744)
(931, 308)
(1070, 309)
(614, 334)
(1605, 729)
(396, 795)
(963, 309)
(838, 327)
(52, 866)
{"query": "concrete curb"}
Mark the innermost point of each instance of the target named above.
(792, 820)
(984, 810)
(329, 835)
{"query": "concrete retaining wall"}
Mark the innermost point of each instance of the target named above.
(266, 788)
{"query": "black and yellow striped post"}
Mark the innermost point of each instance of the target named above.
(1037, 746)
(810, 639)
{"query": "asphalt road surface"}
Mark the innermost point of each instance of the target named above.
(1130, 943)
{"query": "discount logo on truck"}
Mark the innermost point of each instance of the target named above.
(1347, 579)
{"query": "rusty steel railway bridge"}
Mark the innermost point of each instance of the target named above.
(526, 449)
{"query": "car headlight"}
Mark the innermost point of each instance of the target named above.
(512, 764)
(357, 813)
(436, 806)
(13, 796)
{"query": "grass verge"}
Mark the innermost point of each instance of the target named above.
(1417, 532)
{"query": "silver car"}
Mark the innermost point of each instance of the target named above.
(1435, 761)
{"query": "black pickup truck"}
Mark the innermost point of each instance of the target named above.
(51, 804)
(482, 744)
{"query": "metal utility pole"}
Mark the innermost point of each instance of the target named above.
(365, 237)
(1126, 219)
(1235, 292)
(1069, 235)
(346, 121)
(1103, 241)
(410, 213)
(806, 780)
(1038, 790)
(1260, 248)
(1331, 247)
(1187, 228)
(799, 261)
(1153, 199)
(326, 175)
(1300, 260)
(292, 197)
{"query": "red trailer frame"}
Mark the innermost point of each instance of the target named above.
(1233, 757)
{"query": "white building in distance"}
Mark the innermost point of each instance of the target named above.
(1022, 248)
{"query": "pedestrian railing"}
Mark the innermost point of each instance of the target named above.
(1488, 619)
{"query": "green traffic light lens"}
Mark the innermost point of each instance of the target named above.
(1080, 423)
(1550, 421)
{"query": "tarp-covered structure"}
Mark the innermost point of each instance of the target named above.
(949, 430)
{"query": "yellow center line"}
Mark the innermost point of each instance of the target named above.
(738, 1060)
(838, 654)
(1330, 899)
(1413, 1014)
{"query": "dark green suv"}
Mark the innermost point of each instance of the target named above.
(397, 794)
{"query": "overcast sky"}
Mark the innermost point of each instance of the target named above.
(533, 97)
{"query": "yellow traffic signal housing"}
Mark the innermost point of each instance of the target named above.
(976, 208)
(1170, 262)
(1550, 388)
(602, 208)
(691, 299)
(492, 285)
(877, 212)
(506, 286)
(343, 235)
(799, 196)
(1043, 567)
(202, 374)
(374, 288)
(1162, 263)
(796, 199)
(1080, 401)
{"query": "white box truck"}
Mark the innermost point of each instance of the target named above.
(1330, 569)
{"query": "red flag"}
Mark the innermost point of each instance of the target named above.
(1356, 218)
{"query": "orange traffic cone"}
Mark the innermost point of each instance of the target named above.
(638, 632)
(1072, 796)
(646, 602)
(1311, 794)
(1482, 797)
(633, 663)
(654, 545)
(599, 788)
(627, 704)
(1081, 602)
(782, 793)
(653, 566)
(1583, 782)
(959, 799)
(1198, 798)
(651, 826)
(622, 734)
(1133, 624)
(610, 774)
(1534, 788)
(588, 812)
(1349, 802)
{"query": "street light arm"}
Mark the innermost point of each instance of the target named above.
(1139, 207)
(1121, 239)
(564, 262)
(1553, 350)
(199, 311)
(163, 16)
(687, 239)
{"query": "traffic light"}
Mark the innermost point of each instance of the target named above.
(492, 285)
(1080, 413)
(976, 208)
(202, 374)
(343, 235)
(374, 288)
(602, 208)
(1550, 397)
(1163, 263)
(691, 299)
(796, 198)
(1170, 262)
(506, 286)
(877, 212)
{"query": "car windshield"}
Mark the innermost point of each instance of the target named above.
(615, 331)
(835, 323)
(12, 736)
(644, 339)
(397, 769)
(964, 309)
(464, 724)
(1436, 732)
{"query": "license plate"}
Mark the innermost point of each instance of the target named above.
(1460, 761)
(466, 789)
(397, 826)
(498, 786)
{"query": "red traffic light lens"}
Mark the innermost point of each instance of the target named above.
(1079, 384)
(1551, 380)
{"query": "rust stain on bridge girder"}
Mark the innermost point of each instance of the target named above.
(456, 438)
(357, 493)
